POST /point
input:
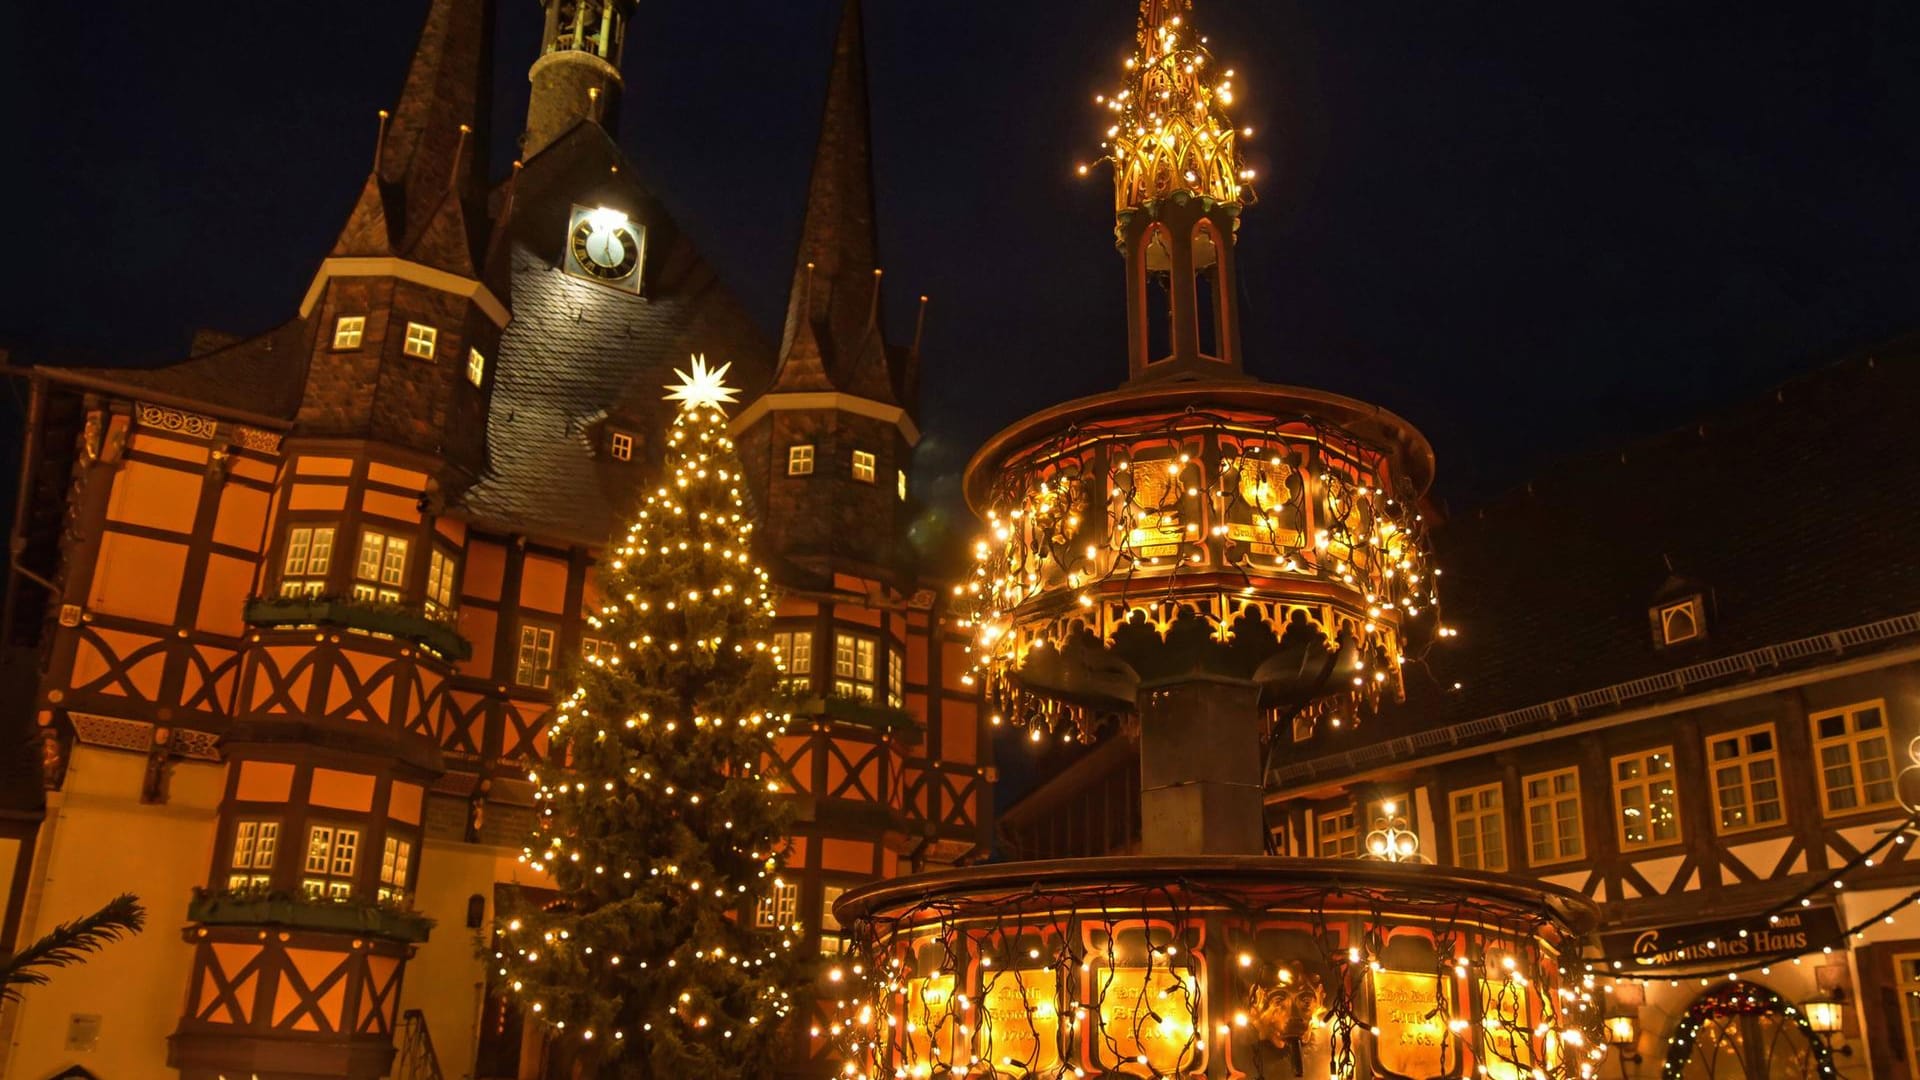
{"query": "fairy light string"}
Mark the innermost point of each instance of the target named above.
(1134, 525)
(660, 831)
(944, 986)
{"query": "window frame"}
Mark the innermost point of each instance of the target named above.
(255, 870)
(422, 341)
(865, 466)
(1551, 801)
(620, 445)
(903, 484)
(1908, 991)
(833, 938)
(521, 670)
(306, 580)
(1647, 780)
(896, 679)
(798, 676)
(856, 685)
(1663, 619)
(1852, 739)
(332, 882)
(388, 585)
(476, 367)
(1474, 816)
(443, 582)
(783, 900)
(356, 332)
(1345, 839)
(396, 868)
(800, 459)
(1743, 759)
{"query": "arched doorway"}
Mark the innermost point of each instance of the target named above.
(1742, 1031)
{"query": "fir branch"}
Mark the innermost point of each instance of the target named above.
(68, 944)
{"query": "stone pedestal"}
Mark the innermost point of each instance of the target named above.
(1200, 783)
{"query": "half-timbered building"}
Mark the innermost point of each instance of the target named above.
(288, 617)
(1686, 683)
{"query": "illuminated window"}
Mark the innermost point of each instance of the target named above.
(476, 366)
(1644, 798)
(896, 679)
(420, 340)
(796, 650)
(778, 908)
(440, 572)
(1746, 779)
(535, 665)
(596, 650)
(621, 444)
(903, 485)
(863, 466)
(1681, 622)
(331, 853)
(254, 845)
(1480, 828)
(303, 572)
(799, 461)
(1856, 765)
(1906, 975)
(347, 332)
(381, 570)
(1553, 817)
(853, 668)
(394, 862)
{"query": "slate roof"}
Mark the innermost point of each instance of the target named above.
(578, 357)
(259, 377)
(1795, 511)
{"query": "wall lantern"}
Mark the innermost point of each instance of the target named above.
(1623, 1027)
(1827, 1014)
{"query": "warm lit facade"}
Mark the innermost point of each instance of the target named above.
(1687, 685)
(301, 603)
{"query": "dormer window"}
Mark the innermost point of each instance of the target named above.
(620, 444)
(347, 332)
(863, 466)
(420, 340)
(800, 460)
(1679, 622)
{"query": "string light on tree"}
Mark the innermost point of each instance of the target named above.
(659, 829)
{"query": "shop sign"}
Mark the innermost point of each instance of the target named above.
(1790, 932)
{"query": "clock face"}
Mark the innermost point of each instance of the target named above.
(606, 250)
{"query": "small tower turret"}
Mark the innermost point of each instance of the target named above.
(1179, 187)
(577, 76)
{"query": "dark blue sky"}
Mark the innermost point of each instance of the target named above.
(1530, 228)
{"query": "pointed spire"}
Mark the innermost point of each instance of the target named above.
(833, 302)
(432, 148)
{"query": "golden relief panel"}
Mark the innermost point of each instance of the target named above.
(1020, 1022)
(1147, 1013)
(1411, 1014)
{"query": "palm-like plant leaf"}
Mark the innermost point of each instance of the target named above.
(69, 943)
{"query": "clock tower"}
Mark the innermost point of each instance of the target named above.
(577, 76)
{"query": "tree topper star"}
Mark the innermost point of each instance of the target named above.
(704, 387)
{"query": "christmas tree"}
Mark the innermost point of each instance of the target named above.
(658, 828)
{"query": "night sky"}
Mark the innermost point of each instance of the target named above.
(1530, 228)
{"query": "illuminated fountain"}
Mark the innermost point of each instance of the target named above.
(1219, 564)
